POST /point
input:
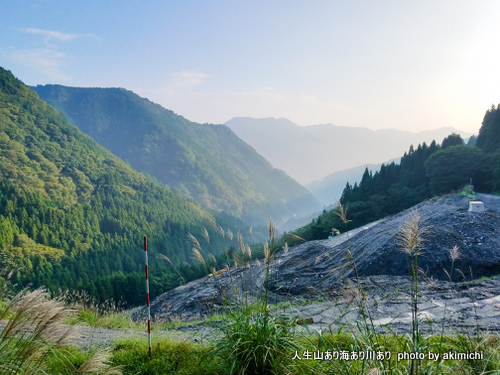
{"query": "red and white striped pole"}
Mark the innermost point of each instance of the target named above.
(147, 294)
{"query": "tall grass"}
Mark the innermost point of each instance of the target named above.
(411, 238)
(90, 312)
(252, 340)
(34, 328)
(36, 331)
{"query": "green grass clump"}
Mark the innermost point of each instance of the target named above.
(256, 344)
(71, 361)
(94, 314)
(114, 320)
(168, 357)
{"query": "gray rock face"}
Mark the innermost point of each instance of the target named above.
(443, 306)
(319, 270)
(376, 249)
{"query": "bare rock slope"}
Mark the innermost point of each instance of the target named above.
(315, 274)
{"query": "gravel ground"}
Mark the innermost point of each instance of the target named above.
(93, 337)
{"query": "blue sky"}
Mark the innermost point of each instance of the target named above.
(410, 65)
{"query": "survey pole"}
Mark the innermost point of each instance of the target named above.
(147, 294)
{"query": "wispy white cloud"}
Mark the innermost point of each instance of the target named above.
(184, 80)
(47, 61)
(52, 35)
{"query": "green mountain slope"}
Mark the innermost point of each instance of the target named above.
(72, 215)
(206, 162)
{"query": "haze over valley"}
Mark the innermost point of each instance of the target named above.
(310, 153)
(208, 163)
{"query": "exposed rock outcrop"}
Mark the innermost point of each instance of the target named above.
(320, 270)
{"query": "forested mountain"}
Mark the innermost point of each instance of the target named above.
(206, 162)
(72, 215)
(424, 172)
(310, 153)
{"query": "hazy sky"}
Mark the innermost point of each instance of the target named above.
(411, 65)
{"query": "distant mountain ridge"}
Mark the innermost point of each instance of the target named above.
(206, 162)
(310, 153)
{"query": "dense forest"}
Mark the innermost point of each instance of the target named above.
(72, 215)
(206, 162)
(424, 172)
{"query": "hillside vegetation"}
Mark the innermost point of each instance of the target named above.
(72, 215)
(206, 162)
(424, 172)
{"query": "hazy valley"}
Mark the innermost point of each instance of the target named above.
(310, 153)
(205, 162)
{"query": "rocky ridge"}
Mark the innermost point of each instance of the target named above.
(315, 279)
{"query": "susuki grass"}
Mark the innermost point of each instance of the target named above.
(256, 342)
(32, 330)
(36, 332)
(411, 238)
